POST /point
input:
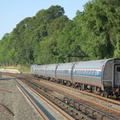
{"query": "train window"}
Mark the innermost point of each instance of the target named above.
(86, 72)
(89, 72)
(99, 73)
(66, 71)
(118, 69)
(82, 72)
(78, 71)
(94, 72)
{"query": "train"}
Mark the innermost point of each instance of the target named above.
(100, 76)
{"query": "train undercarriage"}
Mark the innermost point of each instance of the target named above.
(108, 92)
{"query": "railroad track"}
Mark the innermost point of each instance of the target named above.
(42, 110)
(72, 104)
(5, 108)
(116, 103)
(75, 100)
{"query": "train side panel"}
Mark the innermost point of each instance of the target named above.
(51, 71)
(64, 71)
(39, 70)
(89, 72)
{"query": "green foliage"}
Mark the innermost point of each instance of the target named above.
(100, 28)
(50, 36)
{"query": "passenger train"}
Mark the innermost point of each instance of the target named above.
(101, 76)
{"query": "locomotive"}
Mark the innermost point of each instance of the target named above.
(101, 76)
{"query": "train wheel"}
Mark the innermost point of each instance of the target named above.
(79, 87)
(83, 87)
(75, 85)
(106, 94)
(102, 94)
(91, 89)
(116, 96)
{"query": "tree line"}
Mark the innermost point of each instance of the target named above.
(50, 36)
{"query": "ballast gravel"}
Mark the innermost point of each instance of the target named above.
(15, 102)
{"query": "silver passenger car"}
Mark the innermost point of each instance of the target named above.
(97, 75)
(38, 70)
(64, 71)
(89, 72)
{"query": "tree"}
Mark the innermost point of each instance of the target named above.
(98, 21)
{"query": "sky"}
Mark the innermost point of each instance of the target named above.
(14, 11)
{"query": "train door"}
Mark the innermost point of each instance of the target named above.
(117, 76)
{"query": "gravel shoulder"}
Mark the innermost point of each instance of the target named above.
(15, 102)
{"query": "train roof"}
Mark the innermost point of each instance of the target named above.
(93, 64)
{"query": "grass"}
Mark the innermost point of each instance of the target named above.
(22, 69)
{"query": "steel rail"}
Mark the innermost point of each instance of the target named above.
(92, 102)
(32, 102)
(117, 102)
(8, 111)
(50, 103)
(84, 92)
(5, 91)
(102, 106)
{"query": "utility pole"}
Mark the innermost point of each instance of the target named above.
(77, 52)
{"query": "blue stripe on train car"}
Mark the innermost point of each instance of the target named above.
(87, 75)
